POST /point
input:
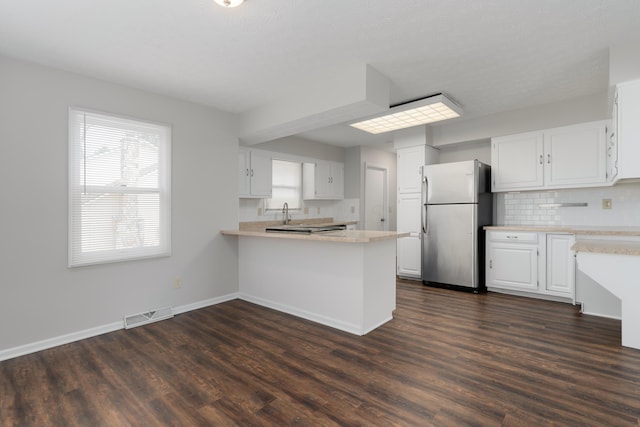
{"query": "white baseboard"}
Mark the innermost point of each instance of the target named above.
(22, 350)
(204, 303)
(10, 353)
(327, 321)
(606, 316)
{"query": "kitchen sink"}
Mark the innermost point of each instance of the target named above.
(305, 229)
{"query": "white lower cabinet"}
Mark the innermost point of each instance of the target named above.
(561, 265)
(513, 266)
(531, 263)
(409, 252)
(410, 257)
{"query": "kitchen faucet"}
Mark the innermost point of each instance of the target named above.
(285, 213)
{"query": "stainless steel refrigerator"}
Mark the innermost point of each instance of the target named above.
(456, 204)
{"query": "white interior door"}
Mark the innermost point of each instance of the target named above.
(375, 198)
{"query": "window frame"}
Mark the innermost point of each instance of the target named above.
(78, 258)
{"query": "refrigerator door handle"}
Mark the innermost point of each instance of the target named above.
(425, 187)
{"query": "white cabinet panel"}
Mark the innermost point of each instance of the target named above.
(512, 266)
(517, 161)
(254, 174)
(566, 157)
(533, 264)
(628, 129)
(409, 210)
(410, 257)
(560, 265)
(575, 155)
(410, 161)
(410, 248)
(244, 173)
(409, 213)
(323, 181)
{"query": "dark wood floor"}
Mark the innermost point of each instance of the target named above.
(447, 359)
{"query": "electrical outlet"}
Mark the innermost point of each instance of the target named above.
(259, 211)
(607, 204)
(353, 209)
(306, 211)
(177, 283)
(318, 211)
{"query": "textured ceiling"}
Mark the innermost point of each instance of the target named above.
(489, 55)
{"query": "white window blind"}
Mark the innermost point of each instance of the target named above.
(286, 185)
(119, 189)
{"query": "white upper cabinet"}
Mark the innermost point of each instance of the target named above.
(517, 161)
(566, 157)
(254, 174)
(323, 180)
(410, 161)
(626, 134)
(575, 155)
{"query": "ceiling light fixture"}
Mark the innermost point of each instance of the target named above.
(422, 111)
(229, 3)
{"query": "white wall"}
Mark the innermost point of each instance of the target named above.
(624, 62)
(577, 110)
(480, 150)
(304, 148)
(352, 172)
(41, 298)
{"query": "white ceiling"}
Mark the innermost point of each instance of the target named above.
(489, 55)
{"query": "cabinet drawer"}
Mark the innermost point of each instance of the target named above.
(513, 236)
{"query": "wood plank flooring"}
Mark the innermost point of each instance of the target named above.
(447, 359)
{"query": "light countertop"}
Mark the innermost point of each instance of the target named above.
(572, 229)
(614, 247)
(341, 236)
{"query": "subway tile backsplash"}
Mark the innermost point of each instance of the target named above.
(524, 208)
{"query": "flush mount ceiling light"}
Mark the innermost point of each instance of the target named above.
(229, 3)
(414, 113)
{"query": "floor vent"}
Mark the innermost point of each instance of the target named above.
(149, 317)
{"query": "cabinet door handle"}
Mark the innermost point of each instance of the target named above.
(246, 172)
(540, 158)
(512, 237)
(490, 263)
(251, 172)
(548, 159)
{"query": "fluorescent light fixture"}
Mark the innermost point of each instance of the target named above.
(229, 3)
(420, 112)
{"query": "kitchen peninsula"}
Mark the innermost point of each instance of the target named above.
(344, 279)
